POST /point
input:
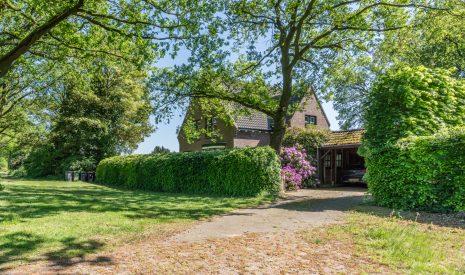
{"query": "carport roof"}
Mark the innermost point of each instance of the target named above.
(343, 138)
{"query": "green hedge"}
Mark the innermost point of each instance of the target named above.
(235, 172)
(426, 173)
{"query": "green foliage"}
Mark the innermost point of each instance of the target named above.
(160, 150)
(3, 164)
(236, 172)
(434, 39)
(412, 101)
(41, 161)
(19, 173)
(308, 138)
(99, 113)
(86, 164)
(424, 172)
(280, 49)
(409, 164)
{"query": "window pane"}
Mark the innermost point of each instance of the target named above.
(310, 120)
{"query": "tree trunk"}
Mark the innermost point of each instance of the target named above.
(280, 117)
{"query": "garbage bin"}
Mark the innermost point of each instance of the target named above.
(69, 176)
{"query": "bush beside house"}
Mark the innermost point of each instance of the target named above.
(413, 154)
(236, 172)
(425, 172)
(309, 138)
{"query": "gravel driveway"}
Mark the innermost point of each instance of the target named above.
(303, 209)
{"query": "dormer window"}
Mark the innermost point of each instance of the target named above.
(310, 120)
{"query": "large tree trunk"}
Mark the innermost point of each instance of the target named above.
(280, 117)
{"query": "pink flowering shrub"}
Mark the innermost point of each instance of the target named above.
(296, 169)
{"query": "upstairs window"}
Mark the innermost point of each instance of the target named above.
(210, 124)
(310, 120)
(197, 125)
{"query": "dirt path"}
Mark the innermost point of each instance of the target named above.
(263, 240)
(303, 209)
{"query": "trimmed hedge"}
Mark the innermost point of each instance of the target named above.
(426, 173)
(235, 172)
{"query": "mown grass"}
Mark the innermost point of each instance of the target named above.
(56, 220)
(404, 246)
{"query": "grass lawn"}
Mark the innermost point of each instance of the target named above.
(59, 220)
(402, 245)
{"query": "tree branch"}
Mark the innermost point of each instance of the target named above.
(7, 60)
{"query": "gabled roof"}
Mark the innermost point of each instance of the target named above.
(255, 121)
(259, 121)
(349, 137)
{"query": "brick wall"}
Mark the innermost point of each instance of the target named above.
(227, 133)
(310, 107)
(251, 139)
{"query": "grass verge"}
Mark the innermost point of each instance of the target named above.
(400, 245)
(57, 220)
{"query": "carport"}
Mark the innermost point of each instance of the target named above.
(338, 160)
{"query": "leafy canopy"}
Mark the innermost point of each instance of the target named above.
(434, 39)
(97, 114)
(266, 52)
(413, 101)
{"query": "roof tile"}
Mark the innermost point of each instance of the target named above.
(345, 137)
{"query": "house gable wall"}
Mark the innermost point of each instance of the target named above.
(227, 133)
(312, 107)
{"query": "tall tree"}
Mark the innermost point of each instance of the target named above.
(38, 37)
(435, 39)
(98, 113)
(285, 47)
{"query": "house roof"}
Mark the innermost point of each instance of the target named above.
(259, 121)
(255, 121)
(349, 137)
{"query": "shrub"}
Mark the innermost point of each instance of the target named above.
(425, 173)
(84, 164)
(19, 173)
(408, 165)
(160, 150)
(309, 138)
(235, 172)
(295, 168)
(3, 164)
(412, 101)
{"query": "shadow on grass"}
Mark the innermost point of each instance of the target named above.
(74, 252)
(71, 253)
(26, 202)
(16, 244)
(23, 201)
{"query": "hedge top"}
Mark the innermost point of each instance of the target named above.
(234, 172)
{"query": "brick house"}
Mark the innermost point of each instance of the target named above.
(253, 130)
(338, 161)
